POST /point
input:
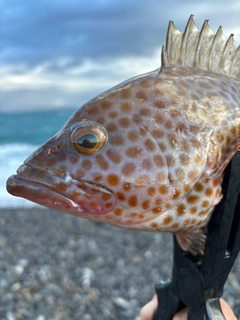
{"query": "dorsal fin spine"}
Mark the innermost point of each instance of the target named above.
(236, 63)
(203, 50)
(184, 40)
(228, 55)
(203, 33)
(217, 40)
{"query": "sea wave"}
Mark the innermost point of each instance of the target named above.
(12, 156)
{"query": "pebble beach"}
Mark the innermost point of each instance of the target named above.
(55, 266)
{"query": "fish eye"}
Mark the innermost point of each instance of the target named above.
(88, 138)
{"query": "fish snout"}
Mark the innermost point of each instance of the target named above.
(61, 192)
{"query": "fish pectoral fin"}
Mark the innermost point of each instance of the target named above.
(192, 242)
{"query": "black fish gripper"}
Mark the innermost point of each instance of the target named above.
(198, 283)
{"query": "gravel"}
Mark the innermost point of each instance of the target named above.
(54, 266)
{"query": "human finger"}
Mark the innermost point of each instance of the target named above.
(149, 309)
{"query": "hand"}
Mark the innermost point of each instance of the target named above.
(148, 310)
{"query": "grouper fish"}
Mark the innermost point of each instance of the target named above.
(150, 153)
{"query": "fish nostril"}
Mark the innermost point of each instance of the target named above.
(53, 151)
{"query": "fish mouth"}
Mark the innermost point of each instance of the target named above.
(60, 191)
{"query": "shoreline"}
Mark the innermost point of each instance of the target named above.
(57, 266)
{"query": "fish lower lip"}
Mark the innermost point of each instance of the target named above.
(35, 192)
(68, 195)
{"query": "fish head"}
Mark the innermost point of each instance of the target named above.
(119, 159)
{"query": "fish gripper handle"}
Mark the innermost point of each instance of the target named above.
(197, 282)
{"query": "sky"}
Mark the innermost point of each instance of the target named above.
(58, 54)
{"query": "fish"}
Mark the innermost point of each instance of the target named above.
(148, 154)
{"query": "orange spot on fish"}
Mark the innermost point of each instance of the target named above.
(62, 186)
(126, 186)
(215, 182)
(149, 145)
(124, 122)
(105, 104)
(113, 115)
(120, 196)
(158, 160)
(114, 156)
(198, 187)
(128, 169)
(126, 107)
(118, 212)
(193, 210)
(158, 118)
(140, 95)
(111, 127)
(94, 205)
(154, 225)
(117, 140)
(134, 152)
(50, 162)
(133, 136)
(181, 210)
(95, 190)
(132, 201)
(208, 192)
(167, 220)
(145, 204)
(145, 84)
(98, 177)
(203, 213)
(76, 193)
(176, 194)
(86, 164)
(163, 190)
(103, 164)
(167, 206)
(106, 196)
(113, 180)
(159, 104)
(157, 210)
(93, 111)
(234, 131)
(73, 159)
(192, 199)
(205, 203)
(158, 201)
(125, 93)
(108, 205)
(151, 191)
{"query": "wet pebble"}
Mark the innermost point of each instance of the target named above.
(55, 266)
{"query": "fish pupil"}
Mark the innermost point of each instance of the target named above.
(88, 141)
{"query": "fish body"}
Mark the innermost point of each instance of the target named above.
(148, 154)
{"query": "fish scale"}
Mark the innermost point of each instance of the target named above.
(148, 154)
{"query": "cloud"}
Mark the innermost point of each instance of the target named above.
(77, 84)
(59, 53)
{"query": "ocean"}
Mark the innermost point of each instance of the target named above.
(20, 135)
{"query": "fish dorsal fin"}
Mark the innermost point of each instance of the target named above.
(201, 49)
